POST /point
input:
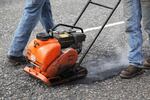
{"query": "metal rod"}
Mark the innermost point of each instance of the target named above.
(82, 13)
(70, 26)
(101, 5)
(89, 47)
(90, 1)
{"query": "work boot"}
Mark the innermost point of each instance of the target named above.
(130, 72)
(17, 60)
(146, 64)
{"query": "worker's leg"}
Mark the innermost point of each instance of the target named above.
(46, 16)
(133, 28)
(146, 25)
(28, 21)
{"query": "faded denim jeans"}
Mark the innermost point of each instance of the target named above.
(34, 11)
(135, 11)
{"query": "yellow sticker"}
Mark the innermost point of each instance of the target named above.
(64, 35)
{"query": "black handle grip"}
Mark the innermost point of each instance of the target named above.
(70, 26)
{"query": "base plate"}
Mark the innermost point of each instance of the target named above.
(67, 75)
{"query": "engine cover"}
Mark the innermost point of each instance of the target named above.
(70, 39)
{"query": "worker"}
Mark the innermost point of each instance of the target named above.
(34, 11)
(135, 11)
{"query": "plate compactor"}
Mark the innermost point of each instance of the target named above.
(53, 55)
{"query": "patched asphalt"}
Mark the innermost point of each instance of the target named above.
(105, 59)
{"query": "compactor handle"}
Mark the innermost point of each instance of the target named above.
(70, 26)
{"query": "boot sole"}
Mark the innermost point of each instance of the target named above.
(16, 63)
(147, 68)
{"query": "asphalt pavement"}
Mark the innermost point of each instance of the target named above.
(104, 61)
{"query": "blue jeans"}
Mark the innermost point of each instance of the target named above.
(34, 11)
(134, 11)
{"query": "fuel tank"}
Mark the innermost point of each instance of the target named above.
(43, 53)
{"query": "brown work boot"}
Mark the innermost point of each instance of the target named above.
(130, 72)
(17, 60)
(146, 64)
